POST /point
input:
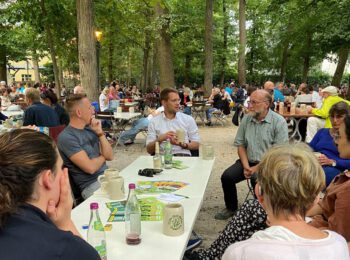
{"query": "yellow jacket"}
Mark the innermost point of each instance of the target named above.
(323, 112)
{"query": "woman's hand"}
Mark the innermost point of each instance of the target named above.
(324, 160)
(60, 213)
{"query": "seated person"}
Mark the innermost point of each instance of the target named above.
(104, 100)
(37, 113)
(321, 118)
(49, 98)
(332, 212)
(185, 98)
(83, 145)
(36, 201)
(323, 142)
(164, 126)
(5, 98)
(216, 100)
(128, 137)
(303, 95)
(289, 182)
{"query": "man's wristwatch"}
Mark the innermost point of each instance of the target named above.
(334, 163)
(184, 145)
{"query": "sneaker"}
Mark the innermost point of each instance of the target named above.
(194, 241)
(223, 215)
(128, 143)
(208, 123)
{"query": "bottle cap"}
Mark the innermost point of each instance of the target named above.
(94, 205)
(132, 186)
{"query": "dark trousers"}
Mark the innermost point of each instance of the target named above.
(232, 175)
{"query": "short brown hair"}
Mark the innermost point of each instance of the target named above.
(164, 94)
(72, 100)
(340, 108)
(33, 94)
(291, 177)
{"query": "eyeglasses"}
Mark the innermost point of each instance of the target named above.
(253, 102)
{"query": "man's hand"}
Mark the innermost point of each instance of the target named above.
(249, 171)
(309, 109)
(60, 213)
(168, 135)
(96, 126)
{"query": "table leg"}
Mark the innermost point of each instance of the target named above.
(296, 133)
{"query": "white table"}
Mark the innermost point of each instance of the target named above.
(12, 113)
(131, 104)
(154, 245)
(126, 115)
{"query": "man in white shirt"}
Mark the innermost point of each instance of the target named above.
(164, 126)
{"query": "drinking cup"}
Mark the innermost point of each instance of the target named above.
(131, 110)
(208, 152)
(180, 133)
(115, 188)
(173, 219)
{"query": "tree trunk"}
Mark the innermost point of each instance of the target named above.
(242, 43)
(164, 52)
(145, 70)
(223, 57)
(208, 47)
(285, 52)
(128, 80)
(36, 67)
(49, 38)
(154, 79)
(3, 63)
(187, 70)
(60, 70)
(343, 55)
(307, 56)
(87, 49)
(110, 58)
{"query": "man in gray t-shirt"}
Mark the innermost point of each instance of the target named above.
(83, 145)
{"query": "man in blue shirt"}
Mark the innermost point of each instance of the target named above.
(37, 113)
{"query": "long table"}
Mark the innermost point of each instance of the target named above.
(154, 245)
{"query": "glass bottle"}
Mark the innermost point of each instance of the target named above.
(168, 155)
(96, 235)
(157, 159)
(132, 218)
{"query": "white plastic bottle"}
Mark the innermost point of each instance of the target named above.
(132, 218)
(96, 234)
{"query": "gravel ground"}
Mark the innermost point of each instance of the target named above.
(221, 138)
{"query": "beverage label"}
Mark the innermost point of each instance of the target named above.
(98, 226)
(102, 250)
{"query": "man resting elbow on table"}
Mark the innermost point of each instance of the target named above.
(164, 126)
(83, 145)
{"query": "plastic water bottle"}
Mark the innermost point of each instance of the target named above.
(168, 155)
(132, 218)
(96, 234)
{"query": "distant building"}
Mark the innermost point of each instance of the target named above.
(23, 71)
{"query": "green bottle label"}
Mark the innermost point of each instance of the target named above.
(102, 250)
(98, 226)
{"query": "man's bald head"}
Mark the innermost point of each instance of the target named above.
(262, 94)
(269, 85)
(78, 90)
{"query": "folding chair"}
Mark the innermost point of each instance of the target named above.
(250, 190)
(219, 117)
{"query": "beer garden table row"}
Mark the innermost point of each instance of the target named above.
(154, 245)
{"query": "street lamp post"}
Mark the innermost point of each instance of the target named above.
(98, 35)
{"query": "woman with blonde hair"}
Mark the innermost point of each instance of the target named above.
(104, 100)
(289, 182)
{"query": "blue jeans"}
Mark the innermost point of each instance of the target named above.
(187, 111)
(89, 190)
(209, 111)
(136, 127)
(330, 173)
